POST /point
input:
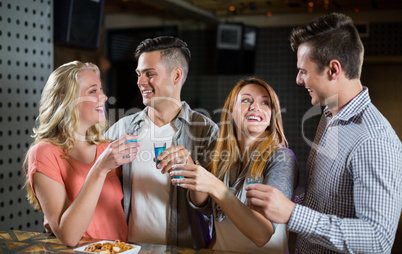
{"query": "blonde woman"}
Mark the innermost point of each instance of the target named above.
(71, 171)
(251, 142)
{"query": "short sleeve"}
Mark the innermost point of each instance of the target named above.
(282, 171)
(45, 158)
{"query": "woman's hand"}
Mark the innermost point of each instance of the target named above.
(195, 178)
(200, 182)
(118, 152)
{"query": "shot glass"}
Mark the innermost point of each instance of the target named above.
(181, 161)
(132, 132)
(252, 179)
(159, 147)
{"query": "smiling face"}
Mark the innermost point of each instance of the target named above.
(317, 84)
(154, 81)
(252, 110)
(91, 102)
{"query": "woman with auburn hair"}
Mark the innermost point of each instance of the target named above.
(72, 172)
(251, 143)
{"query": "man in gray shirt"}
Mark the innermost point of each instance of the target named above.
(157, 211)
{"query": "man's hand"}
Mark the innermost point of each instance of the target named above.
(167, 156)
(270, 202)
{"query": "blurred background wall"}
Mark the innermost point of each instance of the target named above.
(29, 52)
(26, 60)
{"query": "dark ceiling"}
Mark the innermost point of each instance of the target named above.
(216, 9)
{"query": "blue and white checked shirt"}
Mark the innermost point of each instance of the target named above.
(353, 197)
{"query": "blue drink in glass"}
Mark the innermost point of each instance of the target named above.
(182, 161)
(132, 132)
(159, 147)
(252, 179)
(178, 177)
(158, 150)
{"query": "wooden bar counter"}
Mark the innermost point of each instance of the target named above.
(16, 241)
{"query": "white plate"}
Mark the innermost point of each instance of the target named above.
(134, 250)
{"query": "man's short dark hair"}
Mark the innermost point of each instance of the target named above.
(174, 52)
(330, 37)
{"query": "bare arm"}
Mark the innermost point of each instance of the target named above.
(199, 181)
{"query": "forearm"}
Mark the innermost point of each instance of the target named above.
(198, 198)
(348, 235)
(77, 217)
(252, 224)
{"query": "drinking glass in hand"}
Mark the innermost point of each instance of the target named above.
(181, 161)
(132, 132)
(159, 147)
(251, 179)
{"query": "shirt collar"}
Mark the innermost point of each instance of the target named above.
(184, 112)
(184, 115)
(141, 116)
(353, 108)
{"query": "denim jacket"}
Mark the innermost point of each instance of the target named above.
(197, 133)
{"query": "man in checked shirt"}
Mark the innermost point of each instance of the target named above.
(353, 197)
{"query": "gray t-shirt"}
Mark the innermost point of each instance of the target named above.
(281, 172)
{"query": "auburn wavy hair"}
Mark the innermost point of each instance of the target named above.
(267, 142)
(58, 117)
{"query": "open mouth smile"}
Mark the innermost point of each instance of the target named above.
(254, 118)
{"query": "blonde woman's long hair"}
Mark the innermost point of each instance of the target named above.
(58, 118)
(267, 142)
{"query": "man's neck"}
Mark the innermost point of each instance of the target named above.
(346, 94)
(163, 115)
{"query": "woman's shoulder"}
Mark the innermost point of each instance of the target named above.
(45, 152)
(282, 157)
(45, 147)
(283, 152)
(102, 146)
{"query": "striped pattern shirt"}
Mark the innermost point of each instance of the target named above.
(353, 196)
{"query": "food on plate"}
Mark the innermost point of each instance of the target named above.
(109, 247)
